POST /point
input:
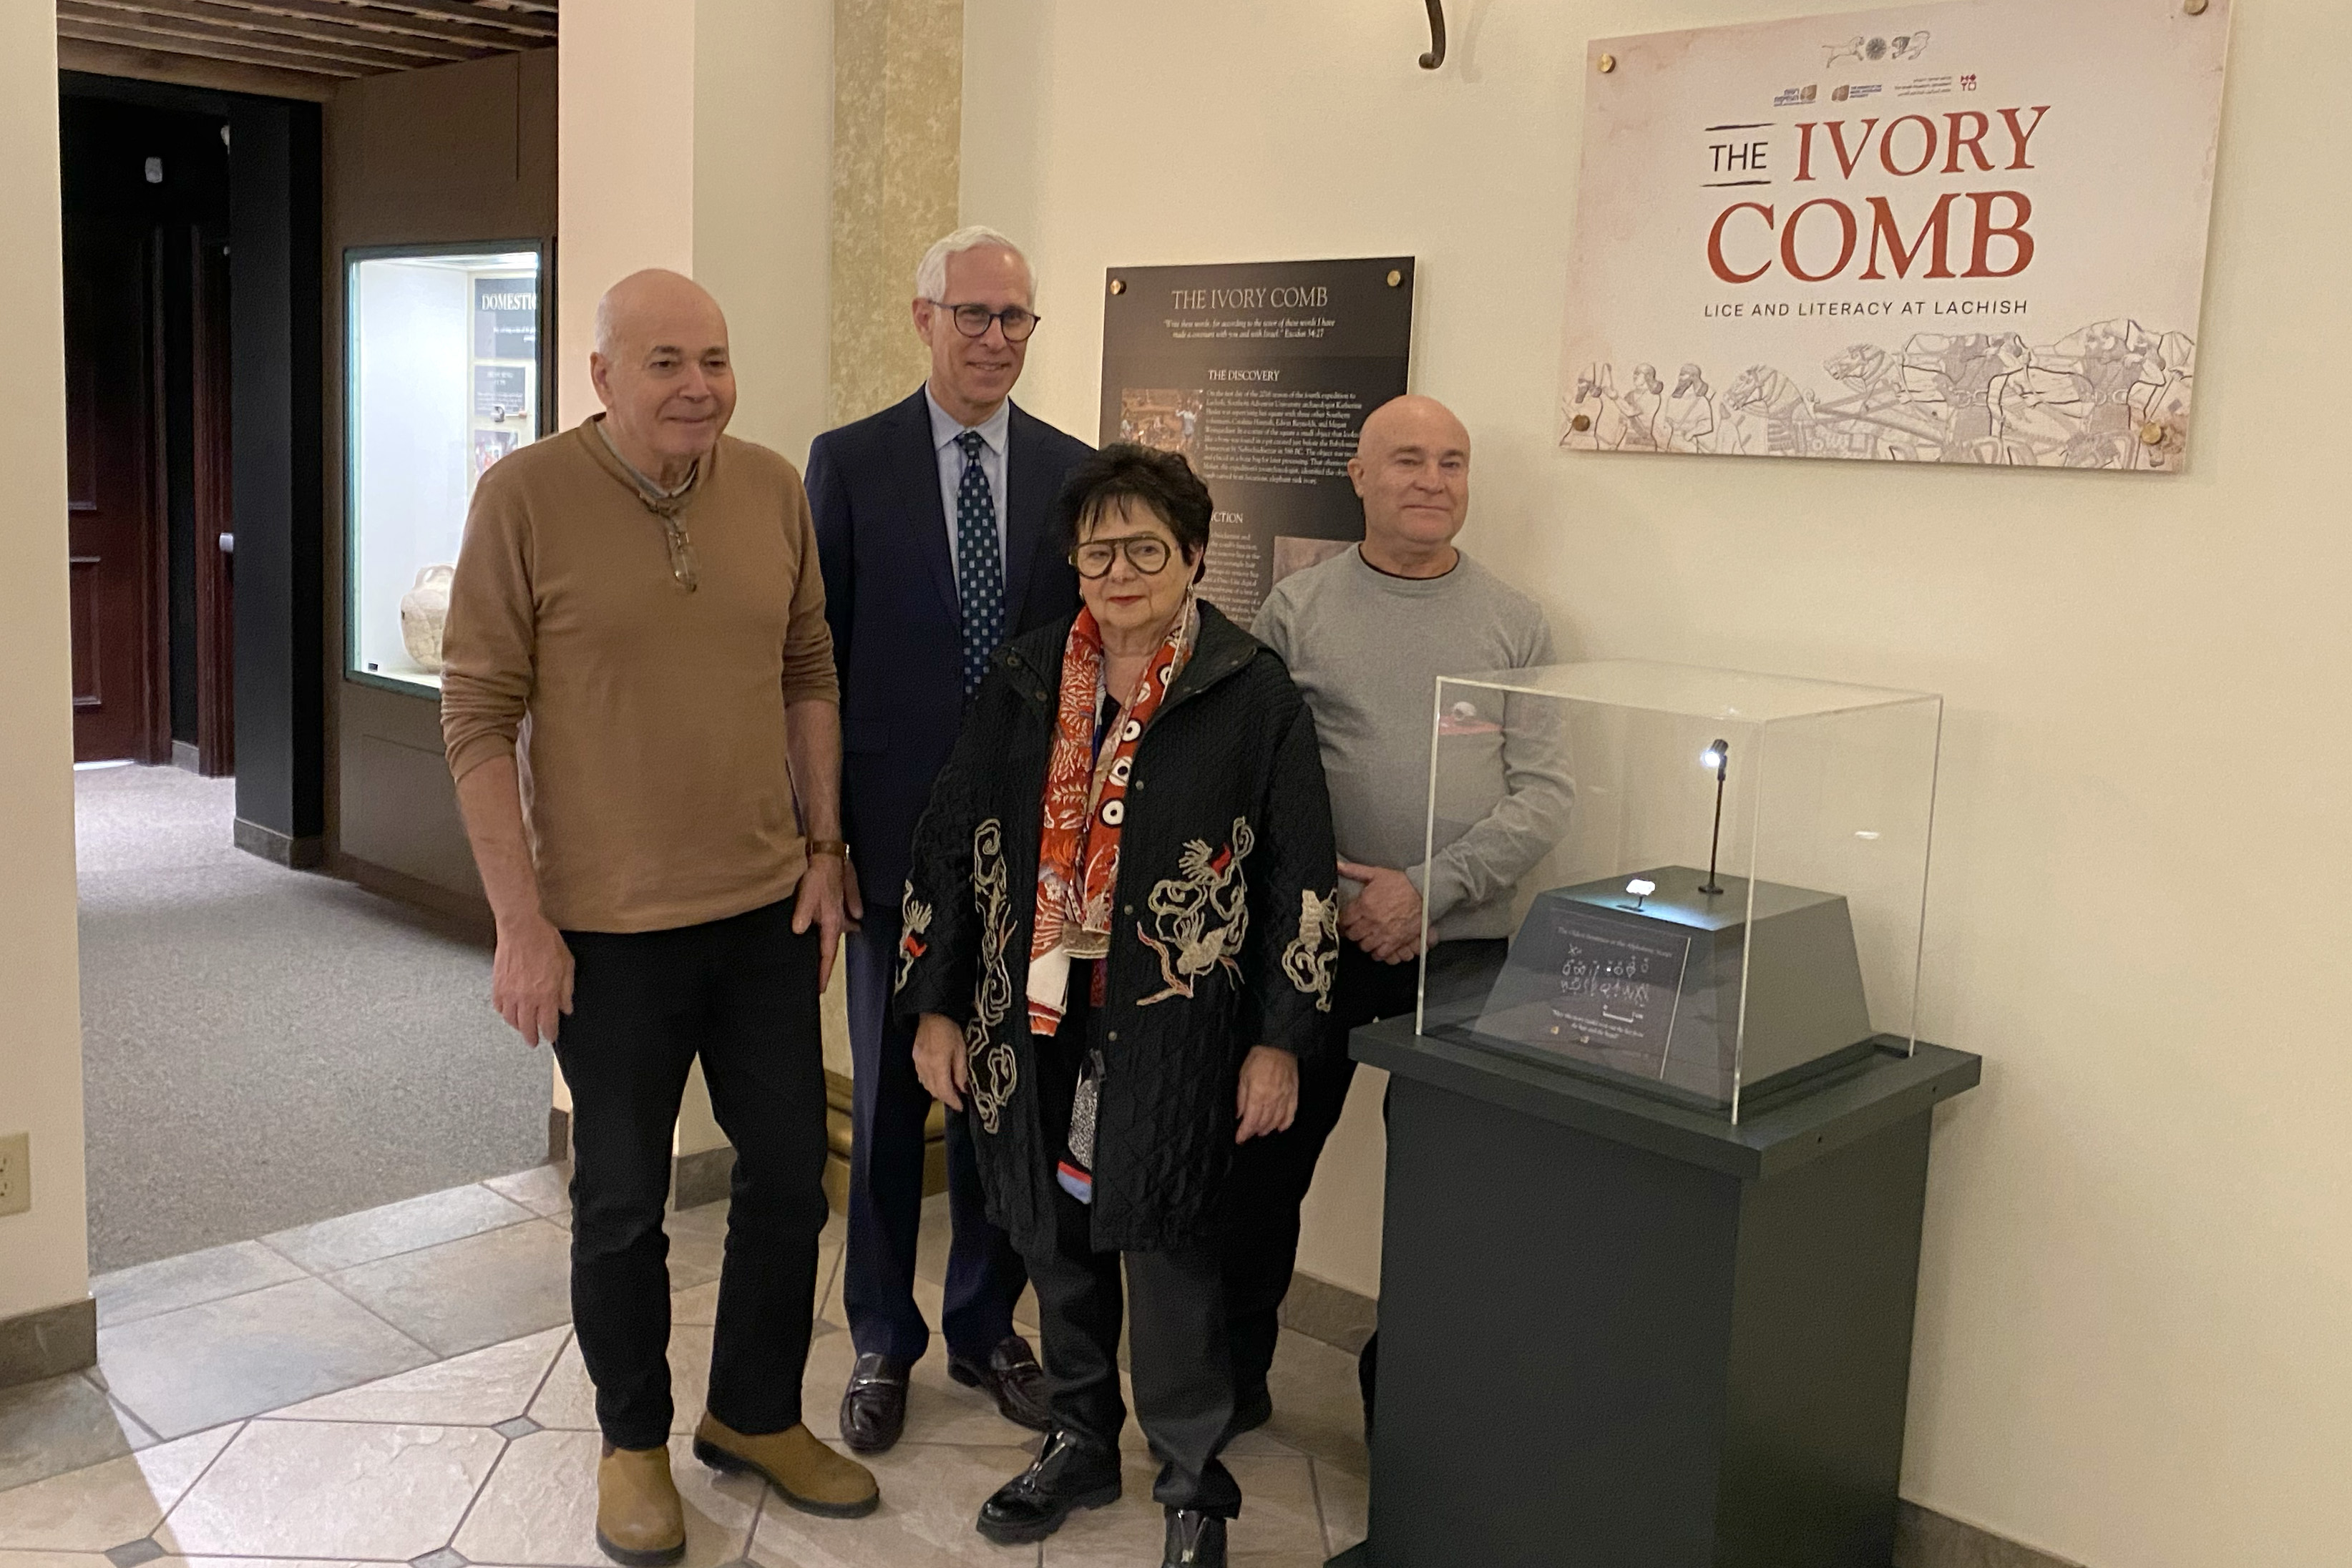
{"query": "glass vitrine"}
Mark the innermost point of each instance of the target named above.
(445, 375)
(1702, 885)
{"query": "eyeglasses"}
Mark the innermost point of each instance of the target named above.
(1144, 553)
(681, 553)
(972, 320)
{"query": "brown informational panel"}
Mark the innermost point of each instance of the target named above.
(1261, 375)
(1960, 233)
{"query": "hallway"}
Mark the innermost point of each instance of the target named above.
(265, 1048)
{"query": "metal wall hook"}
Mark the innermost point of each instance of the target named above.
(1436, 55)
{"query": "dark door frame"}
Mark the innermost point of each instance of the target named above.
(270, 482)
(215, 514)
(157, 734)
(151, 736)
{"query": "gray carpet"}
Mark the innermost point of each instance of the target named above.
(263, 1047)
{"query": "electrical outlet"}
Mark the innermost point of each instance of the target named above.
(15, 1173)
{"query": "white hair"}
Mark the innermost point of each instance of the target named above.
(932, 272)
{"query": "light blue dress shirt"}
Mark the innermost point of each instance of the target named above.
(994, 432)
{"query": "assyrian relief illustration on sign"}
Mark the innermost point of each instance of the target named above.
(1960, 233)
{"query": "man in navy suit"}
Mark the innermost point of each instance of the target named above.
(934, 526)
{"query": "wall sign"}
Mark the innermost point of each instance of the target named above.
(1261, 375)
(1961, 233)
(506, 318)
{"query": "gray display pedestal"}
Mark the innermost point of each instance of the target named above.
(1619, 1334)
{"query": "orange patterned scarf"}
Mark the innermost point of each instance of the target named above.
(1085, 801)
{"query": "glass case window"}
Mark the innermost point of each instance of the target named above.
(1703, 885)
(444, 379)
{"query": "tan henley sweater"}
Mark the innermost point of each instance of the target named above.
(647, 721)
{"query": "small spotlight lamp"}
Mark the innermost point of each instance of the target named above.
(1718, 756)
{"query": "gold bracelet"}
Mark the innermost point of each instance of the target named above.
(829, 847)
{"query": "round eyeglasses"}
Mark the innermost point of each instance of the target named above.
(1145, 554)
(972, 320)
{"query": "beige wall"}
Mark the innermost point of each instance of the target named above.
(2135, 1342)
(44, 1258)
(695, 134)
(624, 140)
(762, 183)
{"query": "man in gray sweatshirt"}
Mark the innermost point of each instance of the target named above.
(1366, 634)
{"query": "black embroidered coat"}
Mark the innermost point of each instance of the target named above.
(1224, 932)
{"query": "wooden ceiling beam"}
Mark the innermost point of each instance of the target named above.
(191, 71)
(241, 54)
(246, 19)
(172, 32)
(362, 23)
(531, 21)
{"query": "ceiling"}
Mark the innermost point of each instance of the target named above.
(298, 48)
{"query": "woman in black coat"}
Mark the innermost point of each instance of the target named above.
(1119, 939)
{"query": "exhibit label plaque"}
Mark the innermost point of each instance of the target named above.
(1577, 978)
(1972, 232)
(506, 318)
(1261, 375)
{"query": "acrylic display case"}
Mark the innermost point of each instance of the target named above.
(445, 376)
(1702, 885)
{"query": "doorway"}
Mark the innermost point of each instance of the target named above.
(147, 375)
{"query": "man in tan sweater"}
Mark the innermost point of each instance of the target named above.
(642, 716)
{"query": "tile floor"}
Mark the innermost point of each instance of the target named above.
(402, 1386)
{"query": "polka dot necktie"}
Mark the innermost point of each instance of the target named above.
(979, 576)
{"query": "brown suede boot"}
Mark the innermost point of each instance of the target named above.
(812, 1477)
(639, 1519)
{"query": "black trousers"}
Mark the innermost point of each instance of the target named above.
(1176, 1318)
(1271, 1174)
(741, 994)
(887, 1110)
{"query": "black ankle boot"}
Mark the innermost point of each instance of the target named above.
(1069, 1473)
(1195, 1540)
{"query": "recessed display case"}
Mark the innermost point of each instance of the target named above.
(1725, 905)
(445, 375)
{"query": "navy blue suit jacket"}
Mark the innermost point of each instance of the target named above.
(897, 625)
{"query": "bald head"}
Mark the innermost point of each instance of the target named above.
(1411, 420)
(1412, 470)
(662, 371)
(646, 301)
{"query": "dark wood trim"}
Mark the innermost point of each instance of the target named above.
(240, 54)
(1926, 1539)
(704, 1176)
(218, 13)
(1335, 1314)
(306, 853)
(469, 916)
(190, 70)
(48, 1343)
(215, 567)
(157, 705)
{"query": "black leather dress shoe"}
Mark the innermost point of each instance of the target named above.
(1013, 1378)
(1195, 1540)
(1069, 1474)
(874, 1407)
